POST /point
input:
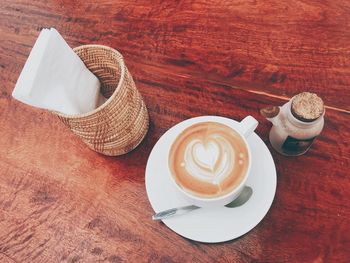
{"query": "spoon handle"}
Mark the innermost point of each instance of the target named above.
(240, 200)
(174, 211)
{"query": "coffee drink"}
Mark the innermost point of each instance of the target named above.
(208, 159)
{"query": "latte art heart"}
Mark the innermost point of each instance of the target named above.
(204, 155)
(208, 159)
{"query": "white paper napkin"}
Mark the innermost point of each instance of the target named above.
(55, 78)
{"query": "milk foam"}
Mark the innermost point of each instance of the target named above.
(210, 161)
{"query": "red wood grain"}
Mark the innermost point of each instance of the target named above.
(61, 202)
(280, 47)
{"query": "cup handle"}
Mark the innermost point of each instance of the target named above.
(248, 125)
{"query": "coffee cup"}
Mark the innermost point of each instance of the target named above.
(210, 160)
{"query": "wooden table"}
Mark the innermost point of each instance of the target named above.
(61, 202)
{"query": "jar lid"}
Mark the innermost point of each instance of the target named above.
(307, 106)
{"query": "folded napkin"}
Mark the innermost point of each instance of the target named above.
(55, 78)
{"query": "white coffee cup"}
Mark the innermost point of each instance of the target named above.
(244, 128)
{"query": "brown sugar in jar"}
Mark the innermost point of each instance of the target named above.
(297, 124)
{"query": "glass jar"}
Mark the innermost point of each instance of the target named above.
(290, 136)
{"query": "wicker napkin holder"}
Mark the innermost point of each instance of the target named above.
(120, 124)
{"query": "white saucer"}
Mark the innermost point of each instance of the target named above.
(219, 224)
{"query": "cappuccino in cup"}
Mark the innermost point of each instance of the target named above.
(209, 161)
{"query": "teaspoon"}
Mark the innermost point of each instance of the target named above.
(240, 200)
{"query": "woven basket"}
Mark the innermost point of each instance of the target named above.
(120, 124)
